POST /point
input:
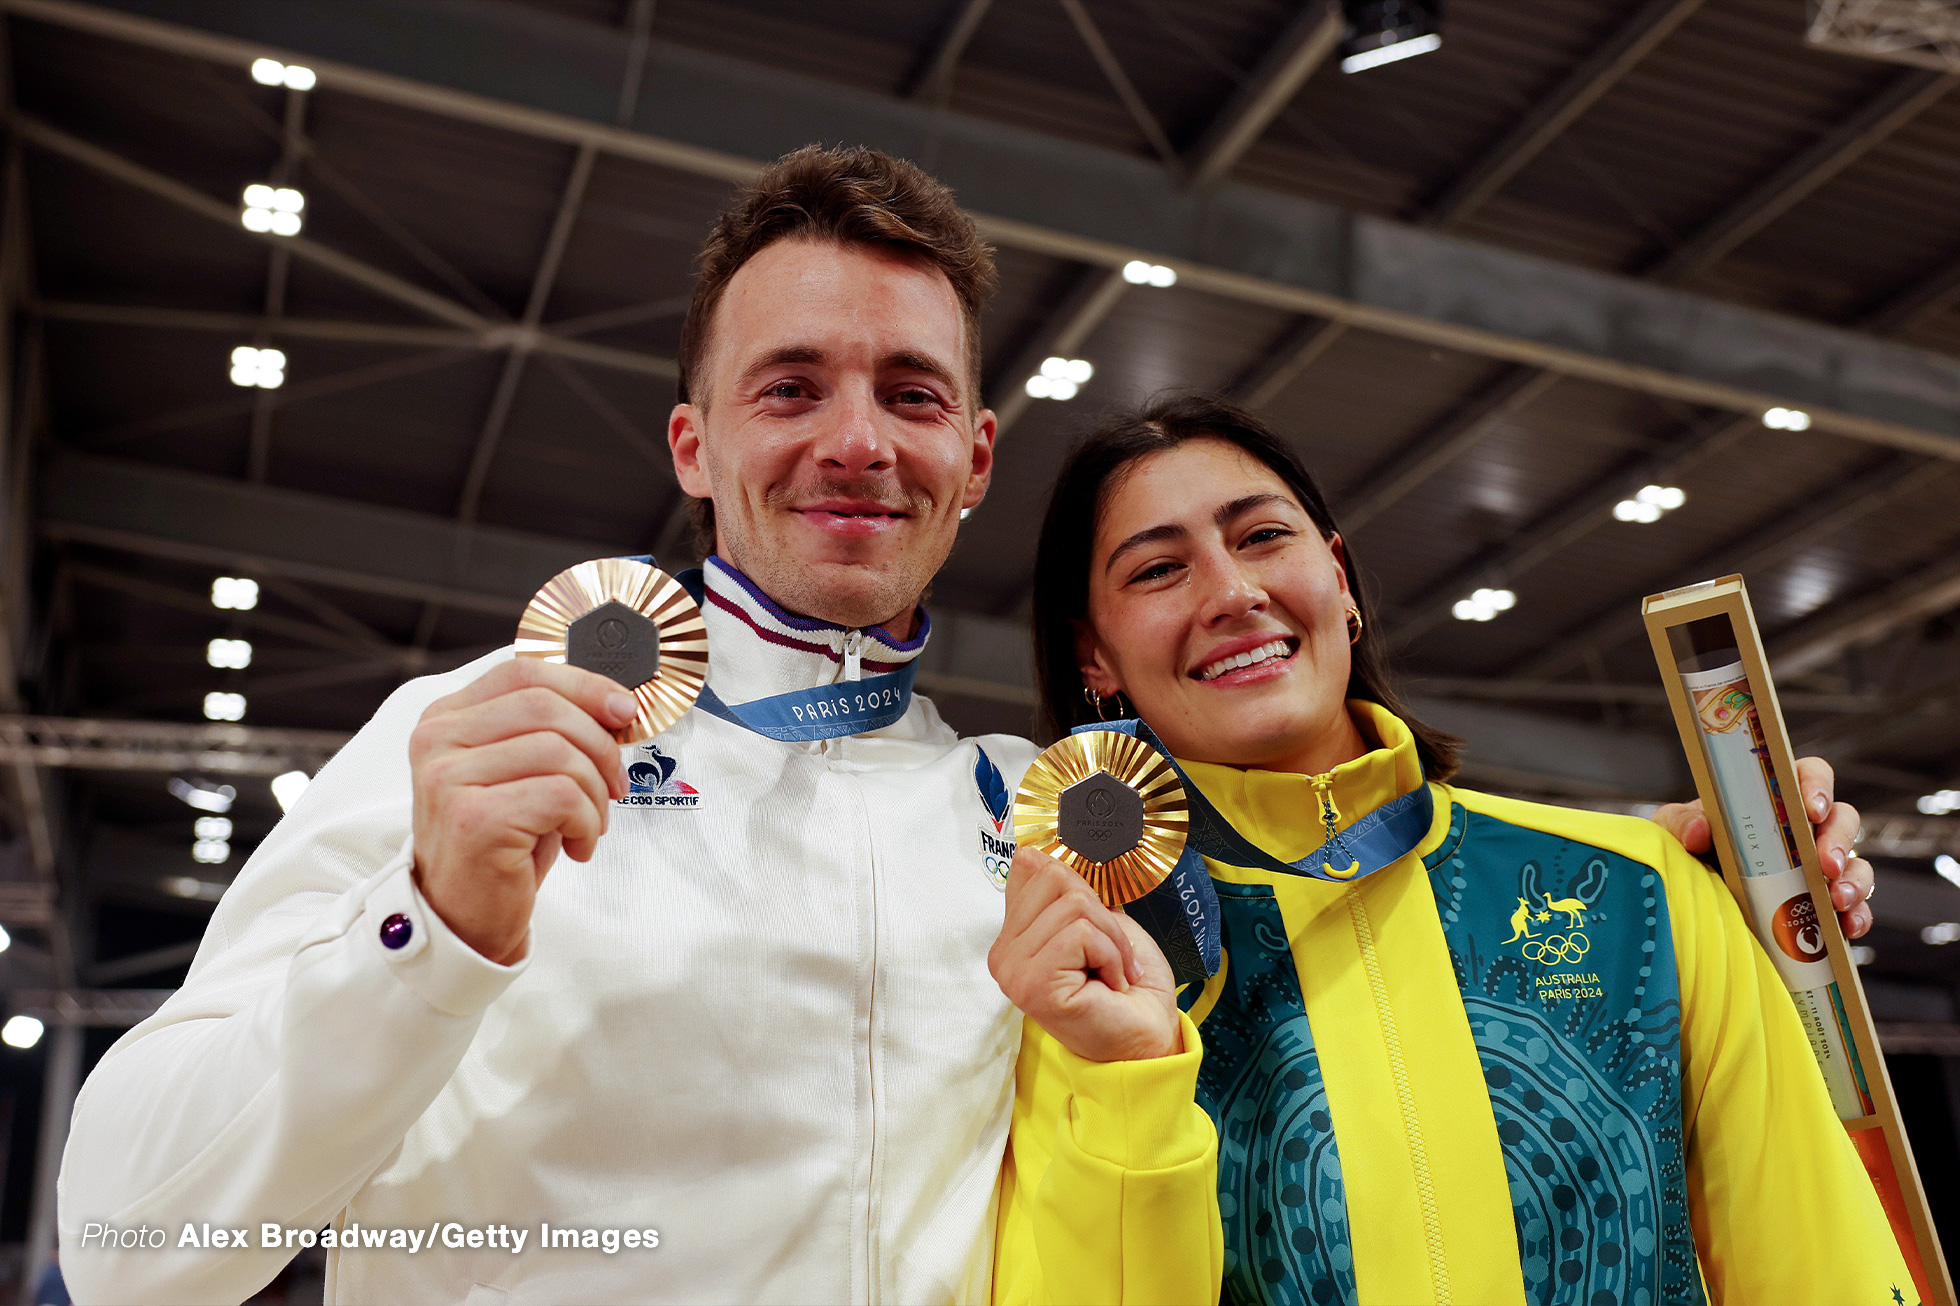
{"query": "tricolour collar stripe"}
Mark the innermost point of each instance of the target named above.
(736, 591)
(778, 638)
(850, 707)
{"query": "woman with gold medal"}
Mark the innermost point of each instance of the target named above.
(1465, 1049)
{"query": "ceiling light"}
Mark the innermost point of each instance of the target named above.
(1649, 503)
(288, 787)
(1139, 273)
(264, 368)
(276, 209)
(189, 886)
(221, 706)
(212, 827)
(229, 654)
(1383, 31)
(1076, 370)
(1787, 419)
(6, 939)
(1484, 605)
(1863, 956)
(1943, 803)
(235, 592)
(270, 72)
(1940, 935)
(1948, 869)
(1665, 497)
(205, 797)
(1060, 378)
(21, 1032)
(210, 852)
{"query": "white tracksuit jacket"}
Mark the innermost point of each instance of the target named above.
(759, 1022)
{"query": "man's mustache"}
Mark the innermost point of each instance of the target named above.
(884, 493)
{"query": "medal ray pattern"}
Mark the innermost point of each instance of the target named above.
(545, 627)
(1038, 817)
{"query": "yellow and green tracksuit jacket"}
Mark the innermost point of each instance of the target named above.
(1109, 1189)
(1539, 1059)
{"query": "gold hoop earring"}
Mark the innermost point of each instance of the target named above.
(1096, 701)
(1354, 624)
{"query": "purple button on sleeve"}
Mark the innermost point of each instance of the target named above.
(396, 931)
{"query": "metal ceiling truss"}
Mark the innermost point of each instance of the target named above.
(487, 333)
(1572, 518)
(1302, 48)
(164, 746)
(717, 117)
(1902, 100)
(1146, 122)
(1906, 97)
(932, 80)
(1763, 544)
(1298, 348)
(339, 543)
(1548, 119)
(1923, 32)
(1091, 299)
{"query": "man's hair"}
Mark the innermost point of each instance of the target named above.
(850, 196)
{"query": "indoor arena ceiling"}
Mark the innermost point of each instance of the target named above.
(1490, 292)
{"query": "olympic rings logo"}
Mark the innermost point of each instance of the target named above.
(997, 870)
(1566, 948)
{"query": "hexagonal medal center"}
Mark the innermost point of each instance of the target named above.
(1100, 817)
(615, 641)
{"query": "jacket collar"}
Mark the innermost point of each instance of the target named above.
(757, 648)
(1280, 810)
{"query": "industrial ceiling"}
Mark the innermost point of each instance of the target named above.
(1490, 292)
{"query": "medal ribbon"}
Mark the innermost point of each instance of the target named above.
(801, 716)
(1381, 838)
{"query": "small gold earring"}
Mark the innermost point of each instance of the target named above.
(1354, 624)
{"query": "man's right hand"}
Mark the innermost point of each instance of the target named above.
(507, 772)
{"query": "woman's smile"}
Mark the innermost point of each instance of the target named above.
(1247, 661)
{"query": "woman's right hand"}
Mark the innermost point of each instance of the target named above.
(1089, 976)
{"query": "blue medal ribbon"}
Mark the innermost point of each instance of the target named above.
(1381, 838)
(801, 716)
(1182, 913)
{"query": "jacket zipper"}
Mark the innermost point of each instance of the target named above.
(854, 655)
(874, 1282)
(1330, 816)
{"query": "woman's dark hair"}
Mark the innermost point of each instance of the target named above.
(1068, 534)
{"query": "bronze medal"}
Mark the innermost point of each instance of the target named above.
(628, 621)
(1108, 805)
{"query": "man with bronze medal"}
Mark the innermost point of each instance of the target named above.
(750, 1019)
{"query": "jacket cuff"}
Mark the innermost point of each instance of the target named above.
(398, 925)
(1140, 1115)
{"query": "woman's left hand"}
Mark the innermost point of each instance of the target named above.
(1092, 977)
(1836, 828)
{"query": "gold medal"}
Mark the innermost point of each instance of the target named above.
(1108, 805)
(629, 621)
